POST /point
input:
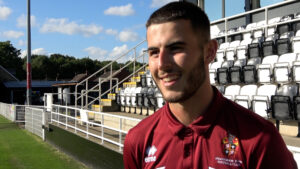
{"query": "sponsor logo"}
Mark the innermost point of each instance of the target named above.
(150, 154)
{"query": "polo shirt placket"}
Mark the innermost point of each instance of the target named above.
(187, 134)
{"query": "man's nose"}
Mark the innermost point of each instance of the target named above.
(164, 59)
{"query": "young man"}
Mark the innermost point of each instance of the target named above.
(198, 127)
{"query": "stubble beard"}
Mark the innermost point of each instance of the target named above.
(195, 80)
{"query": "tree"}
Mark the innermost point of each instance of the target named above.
(9, 59)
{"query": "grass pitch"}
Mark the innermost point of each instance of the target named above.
(19, 149)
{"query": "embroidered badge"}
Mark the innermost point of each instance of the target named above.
(230, 144)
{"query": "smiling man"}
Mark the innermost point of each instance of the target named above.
(198, 127)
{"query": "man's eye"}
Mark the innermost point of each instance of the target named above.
(153, 53)
(176, 49)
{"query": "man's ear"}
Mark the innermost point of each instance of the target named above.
(210, 51)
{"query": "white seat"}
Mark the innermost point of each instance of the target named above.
(231, 91)
(296, 42)
(262, 101)
(251, 26)
(230, 51)
(282, 69)
(296, 71)
(245, 97)
(241, 50)
(265, 70)
(272, 29)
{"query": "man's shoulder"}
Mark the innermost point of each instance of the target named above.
(248, 120)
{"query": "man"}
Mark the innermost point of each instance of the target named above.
(198, 127)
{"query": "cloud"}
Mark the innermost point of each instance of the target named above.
(96, 53)
(64, 26)
(12, 34)
(38, 51)
(22, 43)
(118, 51)
(4, 12)
(111, 32)
(159, 3)
(22, 21)
(120, 10)
(127, 35)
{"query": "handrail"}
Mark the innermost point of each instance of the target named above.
(84, 93)
(253, 11)
(95, 99)
(115, 73)
(125, 54)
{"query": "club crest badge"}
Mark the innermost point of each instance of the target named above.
(230, 144)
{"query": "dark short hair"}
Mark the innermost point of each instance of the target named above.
(181, 10)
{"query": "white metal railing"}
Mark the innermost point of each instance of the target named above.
(85, 83)
(105, 127)
(266, 17)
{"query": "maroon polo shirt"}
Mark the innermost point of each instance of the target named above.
(225, 136)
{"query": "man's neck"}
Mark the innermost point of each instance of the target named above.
(189, 110)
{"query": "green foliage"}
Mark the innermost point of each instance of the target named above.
(9, 59)
(53, 67)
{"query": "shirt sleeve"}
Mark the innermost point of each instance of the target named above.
(272, 152)
(130, 155)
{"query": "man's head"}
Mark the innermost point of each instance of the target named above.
(180, 50)
(182, 10)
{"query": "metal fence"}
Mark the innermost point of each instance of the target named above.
(35, 120)
(102, 127)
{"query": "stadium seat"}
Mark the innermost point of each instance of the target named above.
(297, 108)
(269, 47)
(235, 74)
(296, 71)
(249, 74)
(296, 42)
(265, 70)
(231, 91)
(286, 27)
(122, 97)
(148, 97)
(282, 69)
(241, 51)
(140, 97)
(271, 30)
(223, 76)
(143, 80)
(231, 50)
(282, 102)
(245, 96)
(151, 96)
(254, 50)
(159, 98)
(134, 97)
(283, 46)
(261, 102)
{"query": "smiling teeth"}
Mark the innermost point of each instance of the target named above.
(170, 78)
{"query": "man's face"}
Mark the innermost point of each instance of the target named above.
(176, 59)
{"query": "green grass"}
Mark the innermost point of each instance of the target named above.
(19, 149)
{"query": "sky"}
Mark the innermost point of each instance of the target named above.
(98, 29)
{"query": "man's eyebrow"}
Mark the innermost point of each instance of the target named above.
(167, 46)
(175, 44)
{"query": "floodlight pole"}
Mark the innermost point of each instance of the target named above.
(28, 91)
(223, 9)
